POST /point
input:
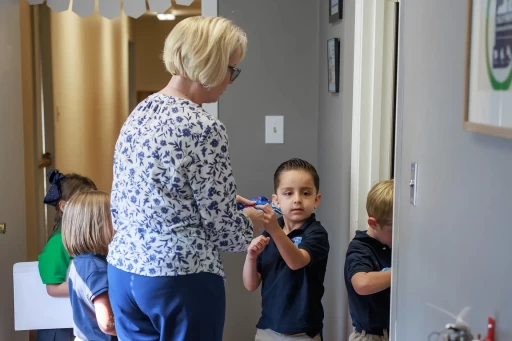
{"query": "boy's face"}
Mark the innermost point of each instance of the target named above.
(296, 195)
(383, 233)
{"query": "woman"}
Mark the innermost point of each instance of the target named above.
(174, 197)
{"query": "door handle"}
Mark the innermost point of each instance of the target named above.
(45, 161)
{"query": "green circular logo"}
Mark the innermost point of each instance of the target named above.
(498, 32)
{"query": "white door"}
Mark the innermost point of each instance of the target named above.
(12, 173)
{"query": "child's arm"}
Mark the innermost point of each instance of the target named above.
(104, 314)
(294, 257)
(314, 244)
(53, 267)
(58, 290)
(251, 277)
(368, 283)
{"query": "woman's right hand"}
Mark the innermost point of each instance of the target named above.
(256, 217)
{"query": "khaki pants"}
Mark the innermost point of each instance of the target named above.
(270, 335)
(355, 336)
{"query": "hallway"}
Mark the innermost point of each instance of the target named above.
(448, 247)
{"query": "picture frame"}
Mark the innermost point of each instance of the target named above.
(335, 10)
(488, 73)
(333, 65)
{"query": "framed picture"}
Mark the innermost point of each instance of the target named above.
(488, 93)
(335, 10)
(333, 65)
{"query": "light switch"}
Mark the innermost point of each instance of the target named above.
(274, 129)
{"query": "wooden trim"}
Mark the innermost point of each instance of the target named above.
(467, 76)
(467, 124)
(487, 129)
(28, 95)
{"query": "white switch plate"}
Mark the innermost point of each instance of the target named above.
(274, 129)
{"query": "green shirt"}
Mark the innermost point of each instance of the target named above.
(54, 261)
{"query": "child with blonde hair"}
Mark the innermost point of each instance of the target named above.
(54, 261)
(86, 232)
(367, 268)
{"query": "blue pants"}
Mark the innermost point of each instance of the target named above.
(55, 335)
(180, 308)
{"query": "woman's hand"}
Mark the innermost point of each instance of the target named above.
(244, 201)
(256, 217)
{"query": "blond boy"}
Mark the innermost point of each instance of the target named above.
(367, 268)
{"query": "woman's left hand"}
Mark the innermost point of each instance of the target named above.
(244, 201)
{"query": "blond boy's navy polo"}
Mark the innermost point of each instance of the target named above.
(369, 313)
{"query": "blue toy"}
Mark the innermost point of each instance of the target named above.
(260, 201)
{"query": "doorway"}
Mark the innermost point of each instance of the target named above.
(82, 91)
(374, 103)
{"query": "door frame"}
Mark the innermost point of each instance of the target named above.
(373, 102)
(373, 114)
(400, 86)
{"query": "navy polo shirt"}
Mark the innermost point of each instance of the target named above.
(292, 300)
(87, 280)
(370, 312)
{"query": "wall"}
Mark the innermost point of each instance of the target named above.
(279, 77)
(12, 185)
(150, 34)
(90, 78)
(334, 152)
(454, 247)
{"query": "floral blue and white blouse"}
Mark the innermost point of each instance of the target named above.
(173, 195)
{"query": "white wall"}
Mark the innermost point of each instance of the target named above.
(453, 248)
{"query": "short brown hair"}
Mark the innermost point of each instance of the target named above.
(379, 203)
(87, 224)
(70, 185)
(296, 164)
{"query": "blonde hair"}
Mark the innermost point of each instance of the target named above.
(379, 203)
(87, 224)
(199, 49)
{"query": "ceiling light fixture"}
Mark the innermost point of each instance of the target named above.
(166, 16)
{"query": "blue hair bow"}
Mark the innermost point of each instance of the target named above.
(53, 196)
(260, 201)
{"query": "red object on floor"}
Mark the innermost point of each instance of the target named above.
(491, 325)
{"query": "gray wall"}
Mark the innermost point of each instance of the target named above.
(279, 77)
(334, 150)
(454, 247)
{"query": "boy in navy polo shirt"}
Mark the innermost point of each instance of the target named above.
(367, 268)
(290, 258)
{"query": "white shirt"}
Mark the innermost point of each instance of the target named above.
(173, 194)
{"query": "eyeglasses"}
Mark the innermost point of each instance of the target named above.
(235, 72)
